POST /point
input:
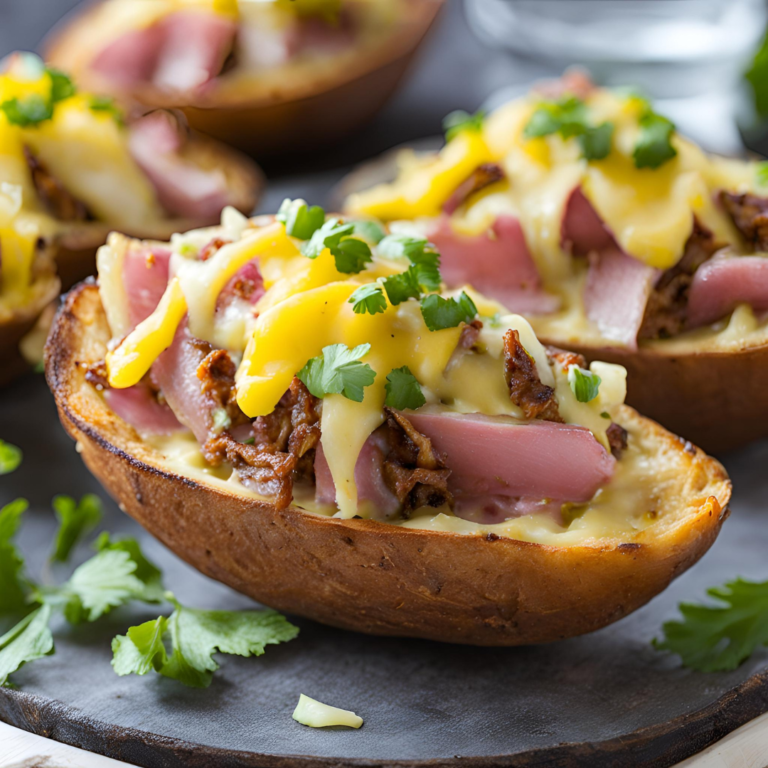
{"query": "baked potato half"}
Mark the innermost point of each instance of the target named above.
(401, 506)
(584, 210)
(262, 72)
(72, 171)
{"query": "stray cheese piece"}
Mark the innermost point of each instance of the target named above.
(129, 363)
(318, 715)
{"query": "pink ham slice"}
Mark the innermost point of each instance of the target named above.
(371, 487)
(145, 276)
(183, 188)
(618, 286)
(182, 52)
(724, 282)
(499, 456)
(498, 265)
(138, 406)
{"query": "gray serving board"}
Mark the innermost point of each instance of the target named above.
(603, 699)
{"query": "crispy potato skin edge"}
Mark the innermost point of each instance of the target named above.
(274, 120)
(363, 575)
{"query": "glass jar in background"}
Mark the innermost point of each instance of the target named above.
(689, 55)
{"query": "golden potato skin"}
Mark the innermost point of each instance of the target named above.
(718, 400)
(304, 114)
(369, 576)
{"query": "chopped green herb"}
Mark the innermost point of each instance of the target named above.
(568, 117)
(338, 371)
(146, 571)
(403, 390)
(300, 220)
(221, 419)
(13, 586)
(494, 320)
(29, 640)
(605, 415)
(249, 441)
(422, 255)
(351, 254)
(654, 146)
(761, 173)
(107, 105)
(459, 120)
(39, 367)
(368, 298)
(10, 457)
(76, 519)
(371, 231)
(720, 638)
(757, 77)
(440, 313)
(194, 636)
(584, 383)
(31, 110)
(62, 86)
(402, 287)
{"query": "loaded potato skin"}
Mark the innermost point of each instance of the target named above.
(372, 576)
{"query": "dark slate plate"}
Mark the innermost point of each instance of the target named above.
(590, 701)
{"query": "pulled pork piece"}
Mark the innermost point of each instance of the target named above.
(57, 200)
(536, 400)
(617, 439)
(217, 375)
(284, 441)
(470, 334)
(566, 359)
(483, 176)
(414, 472)
(667, 309)
(750, 215)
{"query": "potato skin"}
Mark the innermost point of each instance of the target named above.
(300, 115)
(369, 576)
(718, 400)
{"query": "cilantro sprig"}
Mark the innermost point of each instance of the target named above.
(300, 220)
(76, 519)
(718, 638)
(10, 457)
(368, 298)
(568, 117)
(108, 106)
(403, 390)
(459, 120)
(653, 147)
(338, 371)
(34, 109)
(584, 384)
(440, 313)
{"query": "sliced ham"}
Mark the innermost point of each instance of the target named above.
(183, 188)
(145, 277)
(723, 283)
(582, 230)
(616, 294)
(497, 264)
(181, 52)
(502, 457)
(369, 478)
(140, 408)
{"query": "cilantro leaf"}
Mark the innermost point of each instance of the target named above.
(29, 640)
(596, 141)
(62, 86)
(459, 120)
(584, 383)
(402, 287)
(440, 313)
(107, 105)
(194, 637)
(76, 519)
(104, 582)
(420, 252)
(146, 571)
(720, 638)
(403, 390)
(300, 220)
(757, 77)
(338, 371)
(761, 173)
(368, 298)
(10, 457)
(13, 586)
(371, 231)
(351, 255)
(654, 147)
(31, 110)
(568, 117)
